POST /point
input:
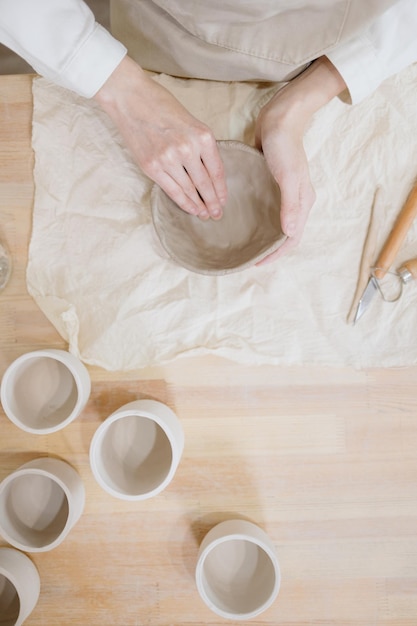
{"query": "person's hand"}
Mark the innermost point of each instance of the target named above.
(279, 134)
(280, 137)
(172, 147)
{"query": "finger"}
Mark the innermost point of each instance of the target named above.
(297, 198)
(298, 215)
(213, 163)
(290, 199)
(288, 245)
(295, 209)
(289, 212)
(183, 179)
(176, 192)
(203, 183)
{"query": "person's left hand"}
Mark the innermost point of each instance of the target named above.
(279, 131)
(280, 137)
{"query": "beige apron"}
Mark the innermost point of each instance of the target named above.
(234, 40)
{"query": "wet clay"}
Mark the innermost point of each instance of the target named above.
(249, 230)
(239, 576)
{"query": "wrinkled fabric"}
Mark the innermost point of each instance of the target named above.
(98, 272)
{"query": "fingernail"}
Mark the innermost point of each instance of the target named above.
(290, 229)
(204, 215)
(216, 214)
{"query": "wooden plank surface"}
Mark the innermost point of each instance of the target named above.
(324, 460)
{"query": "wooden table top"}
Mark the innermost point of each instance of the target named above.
(324, 460)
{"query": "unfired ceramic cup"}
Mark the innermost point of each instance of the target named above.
(19, 587)
(40, 503)
(135, 452)
(43, 391)
(237, 573)
(5, 266)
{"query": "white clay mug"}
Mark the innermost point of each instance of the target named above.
(237, 574)
(135, 452)
(40, 503)
(45, 390)
(19, 587)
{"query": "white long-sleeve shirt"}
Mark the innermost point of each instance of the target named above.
(61, 41)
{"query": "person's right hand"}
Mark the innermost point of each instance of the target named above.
(172, 147)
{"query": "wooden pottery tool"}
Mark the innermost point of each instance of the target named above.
(407, 271)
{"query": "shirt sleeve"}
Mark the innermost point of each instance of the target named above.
(385, 48)
(62, 41)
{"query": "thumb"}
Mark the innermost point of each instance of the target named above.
(290, 206)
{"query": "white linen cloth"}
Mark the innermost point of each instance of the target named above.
(97, 271)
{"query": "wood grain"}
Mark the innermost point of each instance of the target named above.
(397, 234)
(324, 460)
